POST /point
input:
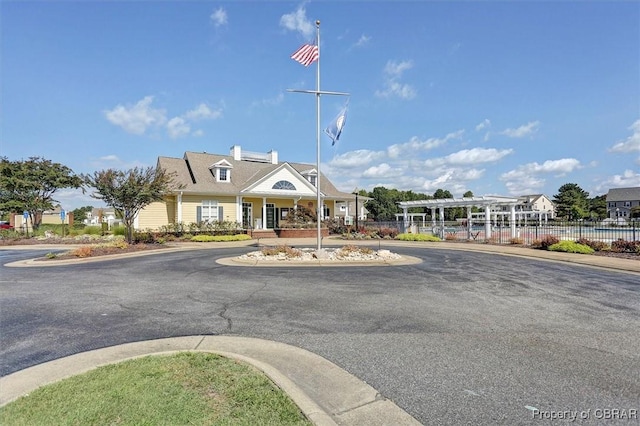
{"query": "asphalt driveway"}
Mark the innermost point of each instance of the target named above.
(461, 338)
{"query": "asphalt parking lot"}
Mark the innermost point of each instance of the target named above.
(461, 338)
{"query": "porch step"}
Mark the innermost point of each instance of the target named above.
(263, 233)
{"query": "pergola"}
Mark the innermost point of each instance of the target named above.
(486, 202)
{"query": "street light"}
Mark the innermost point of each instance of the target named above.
(355, 192)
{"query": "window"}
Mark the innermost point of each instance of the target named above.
(284, 184)
(627, 203)
(222, 175)
(209, 211)
(313, 179)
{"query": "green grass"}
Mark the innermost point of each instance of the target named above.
(417, 237)
(571, 247)
(185, 388)
(219, 238)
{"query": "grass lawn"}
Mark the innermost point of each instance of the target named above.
(186, 388)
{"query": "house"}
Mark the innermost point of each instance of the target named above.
(620, 201)
(535, 205)
(252, 189)
(531, 207)
(99, 215)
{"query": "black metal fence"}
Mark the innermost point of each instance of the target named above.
(502, 233)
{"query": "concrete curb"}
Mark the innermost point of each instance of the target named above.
(326, 394)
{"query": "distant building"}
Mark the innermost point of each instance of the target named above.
(536, 203)
(620, 201)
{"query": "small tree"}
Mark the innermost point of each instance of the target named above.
(29, 185)
(130, 191)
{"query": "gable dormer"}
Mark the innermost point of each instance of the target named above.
(221, 171)
(311, 176)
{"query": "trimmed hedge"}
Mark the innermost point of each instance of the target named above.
(219, 238)
(571, 247)
(417, 237)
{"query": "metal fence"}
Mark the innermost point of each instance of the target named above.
(501, 233)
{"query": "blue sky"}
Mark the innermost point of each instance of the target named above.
(506, 98)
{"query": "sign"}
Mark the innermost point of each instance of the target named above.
(62, 214)
(25, 214)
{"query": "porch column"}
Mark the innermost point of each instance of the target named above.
(441, 222)
(264, 213)
(239, 209)
(512, 221)
(487, 222)
(179, 208)
(469, 220)
(433, 216)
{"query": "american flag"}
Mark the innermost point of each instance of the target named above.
(306, 55)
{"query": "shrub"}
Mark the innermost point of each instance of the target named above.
(92, 230)
(277, 250)
(622, 246)
(84, 251)
(219, 238)
(144, 237)
(388, 232)
(120, 230)
(516, 241)
(594, 244)
(348, 250)
(417, 237)
(450, 237)
(571, 247)
(51, 255)
(545, 242)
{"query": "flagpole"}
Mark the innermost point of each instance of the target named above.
(319, 200)
(316, 92)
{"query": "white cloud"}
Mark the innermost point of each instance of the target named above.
(525, 178)
(203, 112)
(392, 86)
(219, 17)
(628, 179)
(381, 171)
(522, 131)
(396, 69)
(409, 148)
(111, 157)
(363, 41)
(297, 21)
(138, 118)
(630, 144)
(470, 156)
(177, 127)
(358, 158)
(485, 124)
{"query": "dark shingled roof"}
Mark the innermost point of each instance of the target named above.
(194, 174)
(624, 194)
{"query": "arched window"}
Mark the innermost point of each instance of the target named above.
(284, 184)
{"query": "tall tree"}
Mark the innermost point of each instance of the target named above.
(450, 213)
(80, 214)
(572, 202)
(130, 191)
(382, 205)
(598, 207)
(29, 185)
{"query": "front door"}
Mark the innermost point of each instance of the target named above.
(247, 215)
(271, 216)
